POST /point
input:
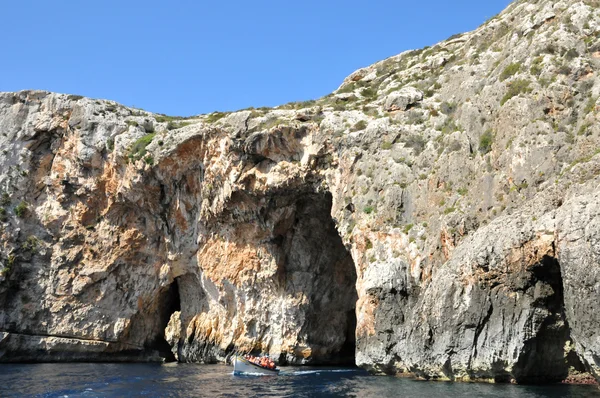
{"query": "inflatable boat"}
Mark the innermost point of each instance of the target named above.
(243, 366)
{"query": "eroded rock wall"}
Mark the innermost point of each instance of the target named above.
(436, 215)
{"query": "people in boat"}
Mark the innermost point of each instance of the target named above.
(261, 361)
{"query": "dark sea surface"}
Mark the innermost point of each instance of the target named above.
(191, 380)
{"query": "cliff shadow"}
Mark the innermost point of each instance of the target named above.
(315, 263)
(548, 356)
(169, 302)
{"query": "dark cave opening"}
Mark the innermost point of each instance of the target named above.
(347, 353)
(545, 357)
(168, 303)
(316, 263)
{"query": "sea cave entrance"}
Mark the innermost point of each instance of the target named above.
(168, 303)
(315, 275)
(313, 261)
(548, 356)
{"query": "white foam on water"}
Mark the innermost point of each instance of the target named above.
(309, 372)
(250, 374)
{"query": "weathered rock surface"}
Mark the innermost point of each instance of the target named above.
(402, 99)
(455, 237)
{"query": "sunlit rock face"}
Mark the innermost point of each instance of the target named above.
(437, 215)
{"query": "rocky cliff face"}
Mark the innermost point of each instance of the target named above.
(437, 215)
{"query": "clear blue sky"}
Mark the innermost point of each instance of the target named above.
(184, 57)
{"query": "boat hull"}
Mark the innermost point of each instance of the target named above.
(243, 366)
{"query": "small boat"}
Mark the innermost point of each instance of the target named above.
(243, 366)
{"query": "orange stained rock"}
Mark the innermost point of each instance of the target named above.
(304, 352)
(132, 238)
(228, 260)
(180, 220)
(448, 243)
(532, 252)
(365, 308)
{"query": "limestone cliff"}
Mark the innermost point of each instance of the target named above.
(437, 215)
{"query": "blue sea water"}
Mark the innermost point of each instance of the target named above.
(191, 380)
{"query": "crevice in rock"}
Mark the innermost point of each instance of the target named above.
(547, 357)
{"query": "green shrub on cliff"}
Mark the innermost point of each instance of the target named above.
(519, 86)
(590, 105)
(138, 149)
(31, 244)
(369, 92)
(5, 199)
(509, 71)
(485, 142)
(360, 125)
(21, 209)
(448, 108)
(213, 117)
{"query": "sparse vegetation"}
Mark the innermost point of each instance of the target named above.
(386, 145)
(5, 199)
(348, 88)
(368, 209)
(31, 244)
(10, 262)
(571, 54)
(215, 116)
(510, 71)
(360, 125)
(448, 108)
(449, 126)
(110, 144)
(21, 209)
(519, 187)
(485, 142)
(415, 117)
(138, 149)
(536, 66)
(369, 92)
(584, 129)
(165, 118)
(519, 86)
(590, 105)
(416, 142)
